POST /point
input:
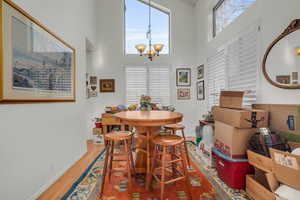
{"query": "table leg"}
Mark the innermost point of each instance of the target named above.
(144, 148)
(105, 129)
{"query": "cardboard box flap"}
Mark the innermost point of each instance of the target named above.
(257, 191)
(286, 168)
(272, 181)
(231, 99)
(233, 94)
(259, 161)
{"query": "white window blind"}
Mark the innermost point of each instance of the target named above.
(242, 65)
(235, 67)
(136, 84)
(216, 76)
(148, 80)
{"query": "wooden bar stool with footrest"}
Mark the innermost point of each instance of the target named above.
(118, 139)
(169, 152)
(177, 127)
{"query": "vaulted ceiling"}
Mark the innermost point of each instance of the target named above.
(191, 1)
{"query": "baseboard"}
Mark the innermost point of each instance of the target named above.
(54, 179)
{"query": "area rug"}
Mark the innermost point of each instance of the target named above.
(204, 181)
(116, 189)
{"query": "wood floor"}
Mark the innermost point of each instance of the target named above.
(64, 183)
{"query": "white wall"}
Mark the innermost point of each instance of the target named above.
(40, 141)
(273, 16)
(109, 61)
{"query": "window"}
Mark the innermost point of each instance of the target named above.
(152, 81)
(226, 11)
(234, 67)
(136, 26)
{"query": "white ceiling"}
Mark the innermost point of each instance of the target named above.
(191, 1)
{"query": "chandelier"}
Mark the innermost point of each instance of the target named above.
(153, 50)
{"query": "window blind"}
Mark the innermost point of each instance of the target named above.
(235, 67)
(242, 65)
(159, 85)
(216, 76)
(148, 80)
(136, 84)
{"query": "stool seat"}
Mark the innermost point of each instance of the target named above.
(168, 140)
(118, 135)
(175, 127)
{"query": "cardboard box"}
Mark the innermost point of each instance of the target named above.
(258, 191)
(232, 141)
(231, 99)
(286, 168)
(280, 114)
(242, 118)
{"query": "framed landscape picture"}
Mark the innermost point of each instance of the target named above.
(200, 90)
(35, 65)
(107, 85)
(183, 77)
(183, 94)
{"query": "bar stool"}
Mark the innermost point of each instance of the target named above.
(177, 127)
(112, 140)
(168, 151)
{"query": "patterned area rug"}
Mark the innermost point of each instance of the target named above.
(205, 186)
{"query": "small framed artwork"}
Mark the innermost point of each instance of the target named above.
(107, 85)
(93, 91)
(93, 80)
(295, 76)
(200, 72)
(283, 79)
(200, 90)
(183, 77)
(183, 94)
(35, 65)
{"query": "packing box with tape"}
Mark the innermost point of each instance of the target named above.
(242, 118)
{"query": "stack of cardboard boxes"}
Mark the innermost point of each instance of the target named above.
(234, 126)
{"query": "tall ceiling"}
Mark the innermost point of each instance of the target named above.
(191, 1)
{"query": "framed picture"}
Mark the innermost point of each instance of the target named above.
(183, 77)
(93, 91)
(35, 65)
(107, 85)
(283, 79)
(200, 90)
(183, 94)
(200, 72)
(93, 80)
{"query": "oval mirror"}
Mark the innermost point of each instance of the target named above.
(281, 63)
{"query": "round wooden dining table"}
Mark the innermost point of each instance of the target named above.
(148, 125)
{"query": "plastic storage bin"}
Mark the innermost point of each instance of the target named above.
(232, 171)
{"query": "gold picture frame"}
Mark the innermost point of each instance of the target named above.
(35, 64)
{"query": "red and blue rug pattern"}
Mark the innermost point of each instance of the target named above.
(203, 180)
